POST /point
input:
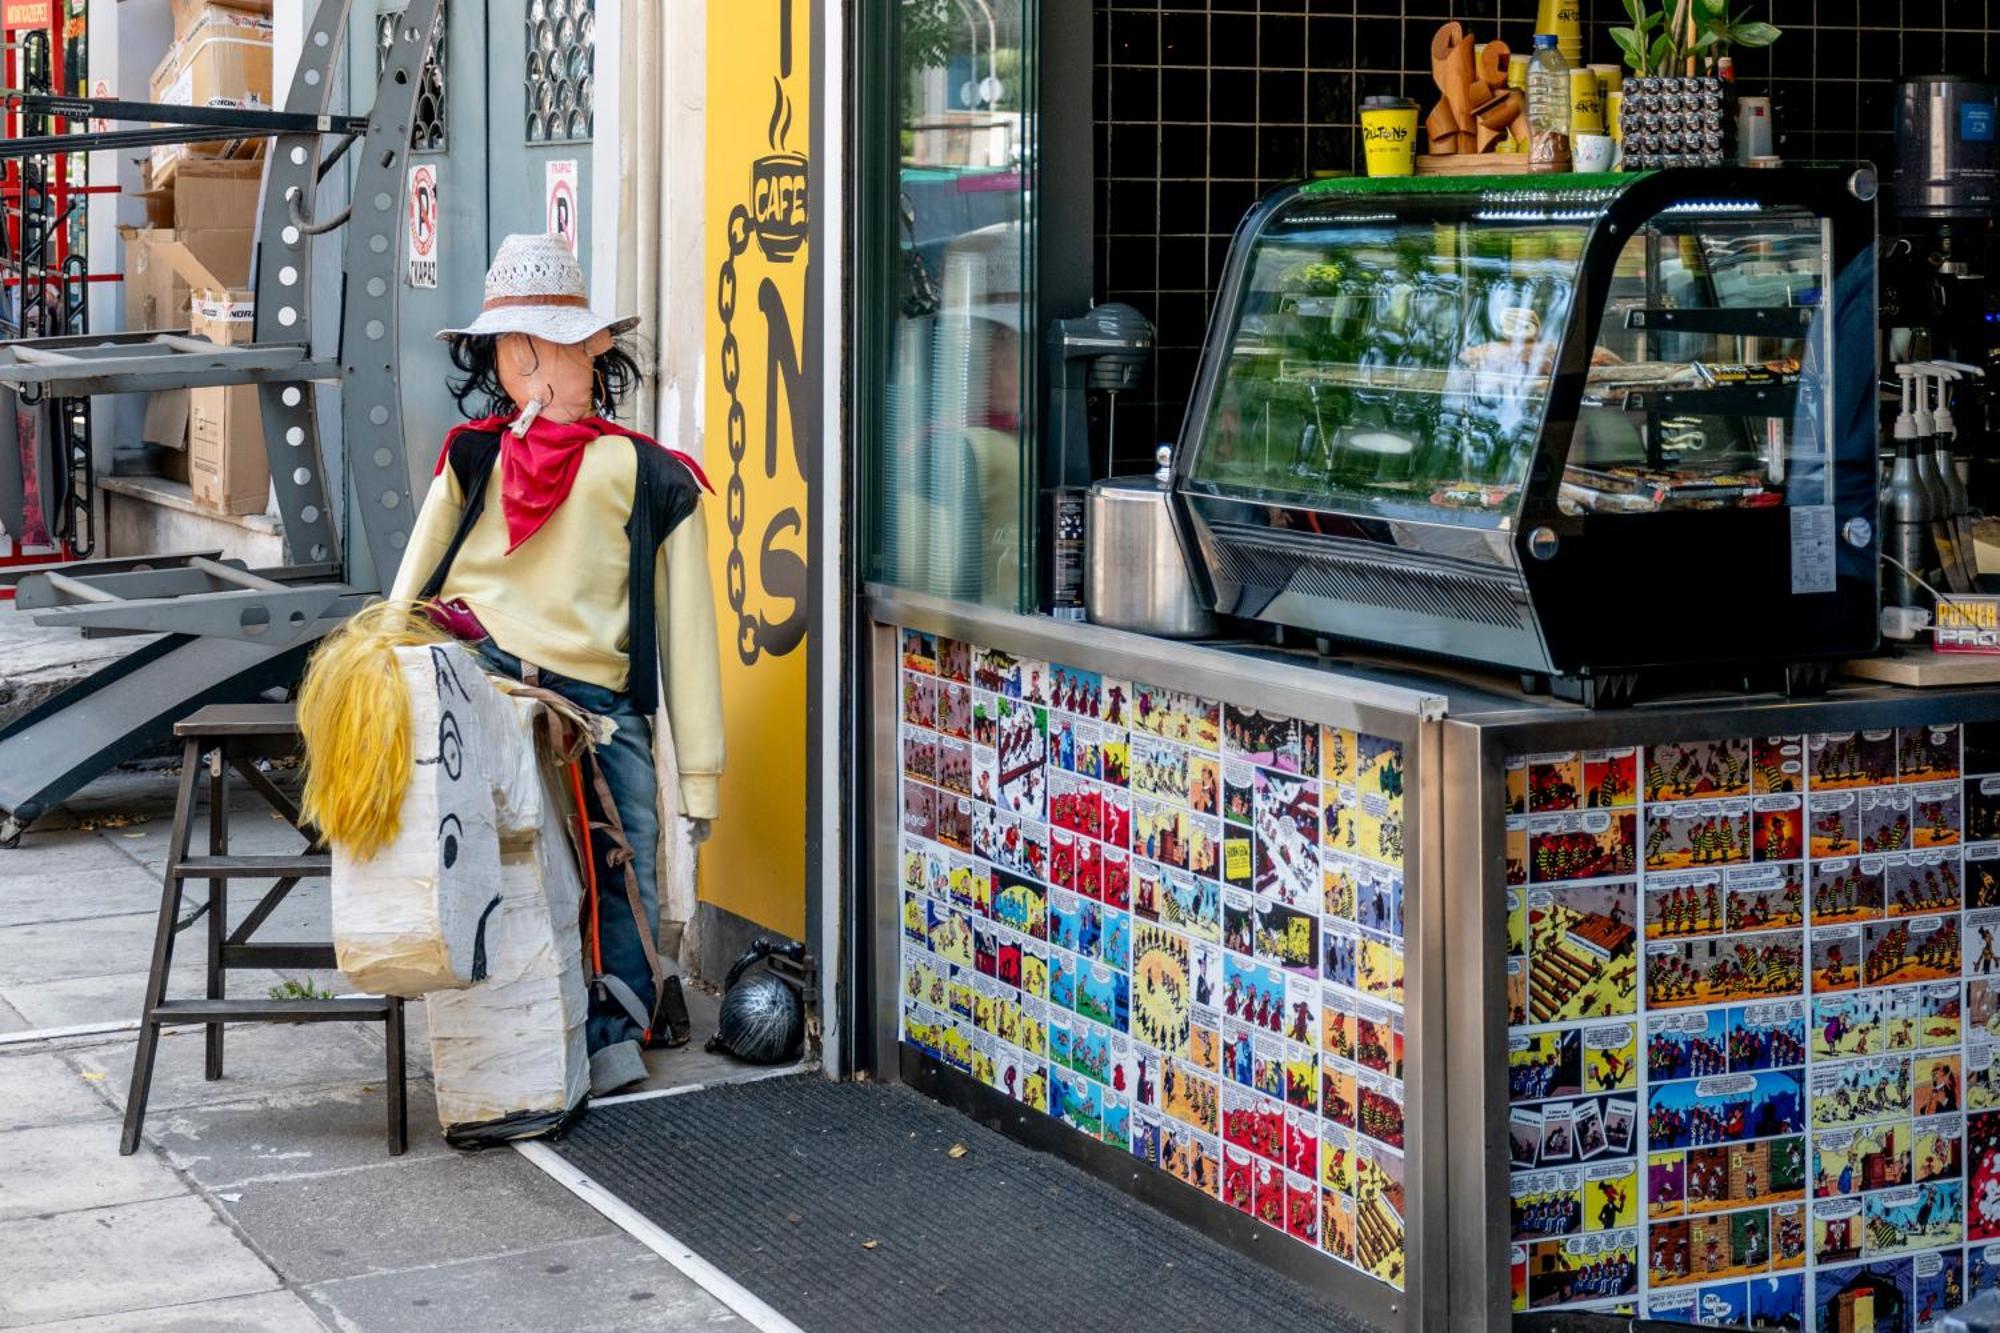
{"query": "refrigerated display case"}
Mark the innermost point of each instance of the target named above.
(1551, 425)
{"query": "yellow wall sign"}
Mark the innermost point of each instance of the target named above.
(759, 233)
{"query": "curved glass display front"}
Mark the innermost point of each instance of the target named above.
(1706, 385)
(1394, 366)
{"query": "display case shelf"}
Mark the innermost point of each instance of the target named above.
(1727, 400)
(1787, 321)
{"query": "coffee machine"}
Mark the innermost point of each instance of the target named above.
(1940, 282)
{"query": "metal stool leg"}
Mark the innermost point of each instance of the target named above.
(218, 896)
(398, 1084)
(163, 957)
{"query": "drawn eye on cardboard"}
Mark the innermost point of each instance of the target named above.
(451, 747)
(450, 830)
(411, 918)
(444, 675)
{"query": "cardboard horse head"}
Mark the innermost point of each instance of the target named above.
(452, 873)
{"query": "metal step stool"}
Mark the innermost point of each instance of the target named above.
(234, 737)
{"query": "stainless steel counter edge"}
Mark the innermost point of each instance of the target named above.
(1197, 668)
(1430, 692)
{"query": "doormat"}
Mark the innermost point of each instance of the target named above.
(866, 1207)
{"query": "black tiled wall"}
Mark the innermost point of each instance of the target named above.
(1202, 105)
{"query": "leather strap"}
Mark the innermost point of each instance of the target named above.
(611, 826)
(621, 857)
(509, 302)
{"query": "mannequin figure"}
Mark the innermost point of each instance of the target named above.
(571, 554)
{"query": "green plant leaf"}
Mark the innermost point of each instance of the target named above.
(1636, 11)
(1754, 34)
(1662, 46)
(1628, 41)
(1716, 8)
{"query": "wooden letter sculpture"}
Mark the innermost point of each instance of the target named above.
(452, 872)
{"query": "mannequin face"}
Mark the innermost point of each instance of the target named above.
(557, 373)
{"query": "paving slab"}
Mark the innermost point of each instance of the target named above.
(254, 830)
(100, 891)
(134, 1256)
(11, 1019)
(38, 1087)
(54, 950)
(43, 660)
(117, 997)
(74, 1001)
(610, 1284)
(63, 852)
(61, 1168)
(437, 1211)
(342, 1129)
(290, 1064)
(272, 1312)
(140, 791)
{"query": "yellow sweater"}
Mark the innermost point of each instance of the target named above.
(561, 600)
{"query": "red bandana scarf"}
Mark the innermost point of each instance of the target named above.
(538, 469)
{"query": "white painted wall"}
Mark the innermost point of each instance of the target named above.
(608, 178)
(683, 281)
(288, 34)
(128, 38)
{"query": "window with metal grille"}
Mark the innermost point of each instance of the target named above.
(427, 130)
(562, 64)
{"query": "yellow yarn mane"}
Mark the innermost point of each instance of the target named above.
(355, 716)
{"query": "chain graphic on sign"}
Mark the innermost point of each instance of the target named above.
(736, 574)
(776, 217)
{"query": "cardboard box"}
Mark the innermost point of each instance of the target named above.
(223, 60)
(205, 195)
(189, 14)
(228, 471)
(166, 421)
(156, 297)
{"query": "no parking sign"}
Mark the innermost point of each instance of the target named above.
(559, 183)
(421, 220)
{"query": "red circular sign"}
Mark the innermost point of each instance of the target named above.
(423, 212)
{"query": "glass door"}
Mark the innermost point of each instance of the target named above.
(947, 363)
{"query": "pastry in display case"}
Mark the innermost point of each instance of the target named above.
(1580, 427)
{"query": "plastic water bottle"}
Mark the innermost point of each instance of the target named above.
(1548, 107)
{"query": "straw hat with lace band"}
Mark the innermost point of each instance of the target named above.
(536, 287)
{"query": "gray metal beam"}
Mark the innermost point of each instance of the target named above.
(371, 398)
(125, 709)
(284, 286)
(41, 593)
(77, 591)
(236, 575)
(271, 618)
(93, 569)
(76, 373)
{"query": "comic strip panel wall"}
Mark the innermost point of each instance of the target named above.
(1171, 923)
(1752, 990)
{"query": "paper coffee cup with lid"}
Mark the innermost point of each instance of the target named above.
(1389, 135)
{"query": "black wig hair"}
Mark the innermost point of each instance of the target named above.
(480, 394)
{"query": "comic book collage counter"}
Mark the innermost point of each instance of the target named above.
(1449, 1001)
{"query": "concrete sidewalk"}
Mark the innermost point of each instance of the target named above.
(266, 1200)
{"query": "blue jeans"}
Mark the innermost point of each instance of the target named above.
(627, 763)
